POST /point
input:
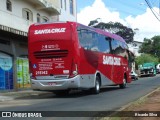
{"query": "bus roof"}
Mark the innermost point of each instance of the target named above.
(111, 35)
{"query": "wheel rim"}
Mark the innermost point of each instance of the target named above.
(124, 81)
(97, 86)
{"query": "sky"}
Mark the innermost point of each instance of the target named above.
(131, 13)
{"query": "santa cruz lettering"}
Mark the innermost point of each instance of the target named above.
(48, 31)
(109, 60)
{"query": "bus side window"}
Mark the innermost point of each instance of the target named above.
(83, 37)
(103, 44)
(115, 47)
(94, 42)
(130, 58)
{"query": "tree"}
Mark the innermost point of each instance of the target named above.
(144, 58)
(117, 28)
(151, 46)
(156, 46)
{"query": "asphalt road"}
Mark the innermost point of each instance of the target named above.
(110, 98)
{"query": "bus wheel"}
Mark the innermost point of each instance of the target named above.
(123, 85)
(61, 92)
(96, 89)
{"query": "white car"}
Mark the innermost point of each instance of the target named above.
(134, 76)
(158, 68)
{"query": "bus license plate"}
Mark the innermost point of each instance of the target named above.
(51, 83)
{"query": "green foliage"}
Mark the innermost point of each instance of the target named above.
(144, 58)
(151, 46)
(117, 28)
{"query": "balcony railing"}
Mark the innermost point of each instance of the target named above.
(48, 5)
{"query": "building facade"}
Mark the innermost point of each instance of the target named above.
(135, 47)
(68, 10)
(16, 17)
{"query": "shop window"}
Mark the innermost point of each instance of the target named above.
(23, 78)
(6, 72)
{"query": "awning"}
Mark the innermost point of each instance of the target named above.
(12, 30)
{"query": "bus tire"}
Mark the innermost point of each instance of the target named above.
(96, 89)
(61, 92)
(123, 85)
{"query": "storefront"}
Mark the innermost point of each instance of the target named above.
(14, 70)
(23, 79)
(6, 72)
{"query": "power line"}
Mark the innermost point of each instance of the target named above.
(132, 7)
(154, 3)
(152, 10)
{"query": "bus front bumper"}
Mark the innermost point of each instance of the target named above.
(60, 84)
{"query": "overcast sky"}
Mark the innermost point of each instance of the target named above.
(132, 13)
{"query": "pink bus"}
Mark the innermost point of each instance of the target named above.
(68, 55)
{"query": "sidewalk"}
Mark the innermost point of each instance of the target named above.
(11, 95)
(149, 103)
